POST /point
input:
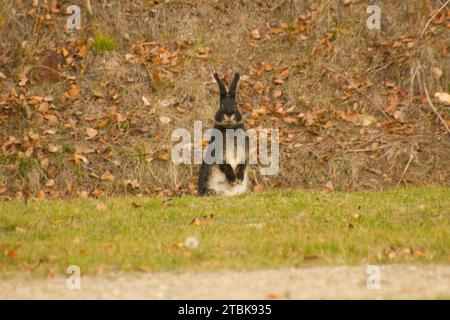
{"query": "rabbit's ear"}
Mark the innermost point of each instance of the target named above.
(223, 90)
(233, 85)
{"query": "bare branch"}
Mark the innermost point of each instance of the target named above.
(411, 156)
(431, 19)
(89, 8)
(434, 109)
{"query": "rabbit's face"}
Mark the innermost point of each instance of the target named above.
(228, 114)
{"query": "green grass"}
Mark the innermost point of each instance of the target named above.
(104, 42)
(264, 230)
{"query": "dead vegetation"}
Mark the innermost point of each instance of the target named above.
(91, 112)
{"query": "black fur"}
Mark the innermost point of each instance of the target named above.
(227, 117)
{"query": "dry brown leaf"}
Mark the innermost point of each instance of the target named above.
(35, 100)
(164, 119)
(33, 135)
(277, 93)
(156, 79)
(50, 132)
(255, 34)
(366, 120)
(51, 118)
(41, 195)
(258, 188)
(97, 192)
(91, 132)
(83, 51)
(145, 101)
(107, 175)
(397, 114)
(11, 254)
(393, 103)
(78, 158)
(273, 296)
(276, 30)
(443, 97)
(437, 73)
(130, 58)
(74, 92)
(23, 81)
(196, 221)
(164, 156)
(329, 186)
(50, 183)
(97, 93)
(136, 205)
(203, 52)
(53, 148)
(65, 52)
(290, 120)
(278, 81)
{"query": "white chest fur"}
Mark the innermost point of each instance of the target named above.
(219, 183)
(234, 157)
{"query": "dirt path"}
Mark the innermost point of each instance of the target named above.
(397, 281)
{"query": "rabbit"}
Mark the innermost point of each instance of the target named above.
(229, 177)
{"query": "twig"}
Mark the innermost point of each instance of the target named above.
(411, 156)
(382, 67)
(411, 85)
(275, 7)
(173, 168)
(168, 2)
(368, 149)
(89, 8)
(374, 69)
(434, 109)
(318, 79)
(254, 174)
(431, 19)
(154, 176)
(65, 76)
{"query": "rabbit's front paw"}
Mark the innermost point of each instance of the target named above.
(231, 177)
(239, 178)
